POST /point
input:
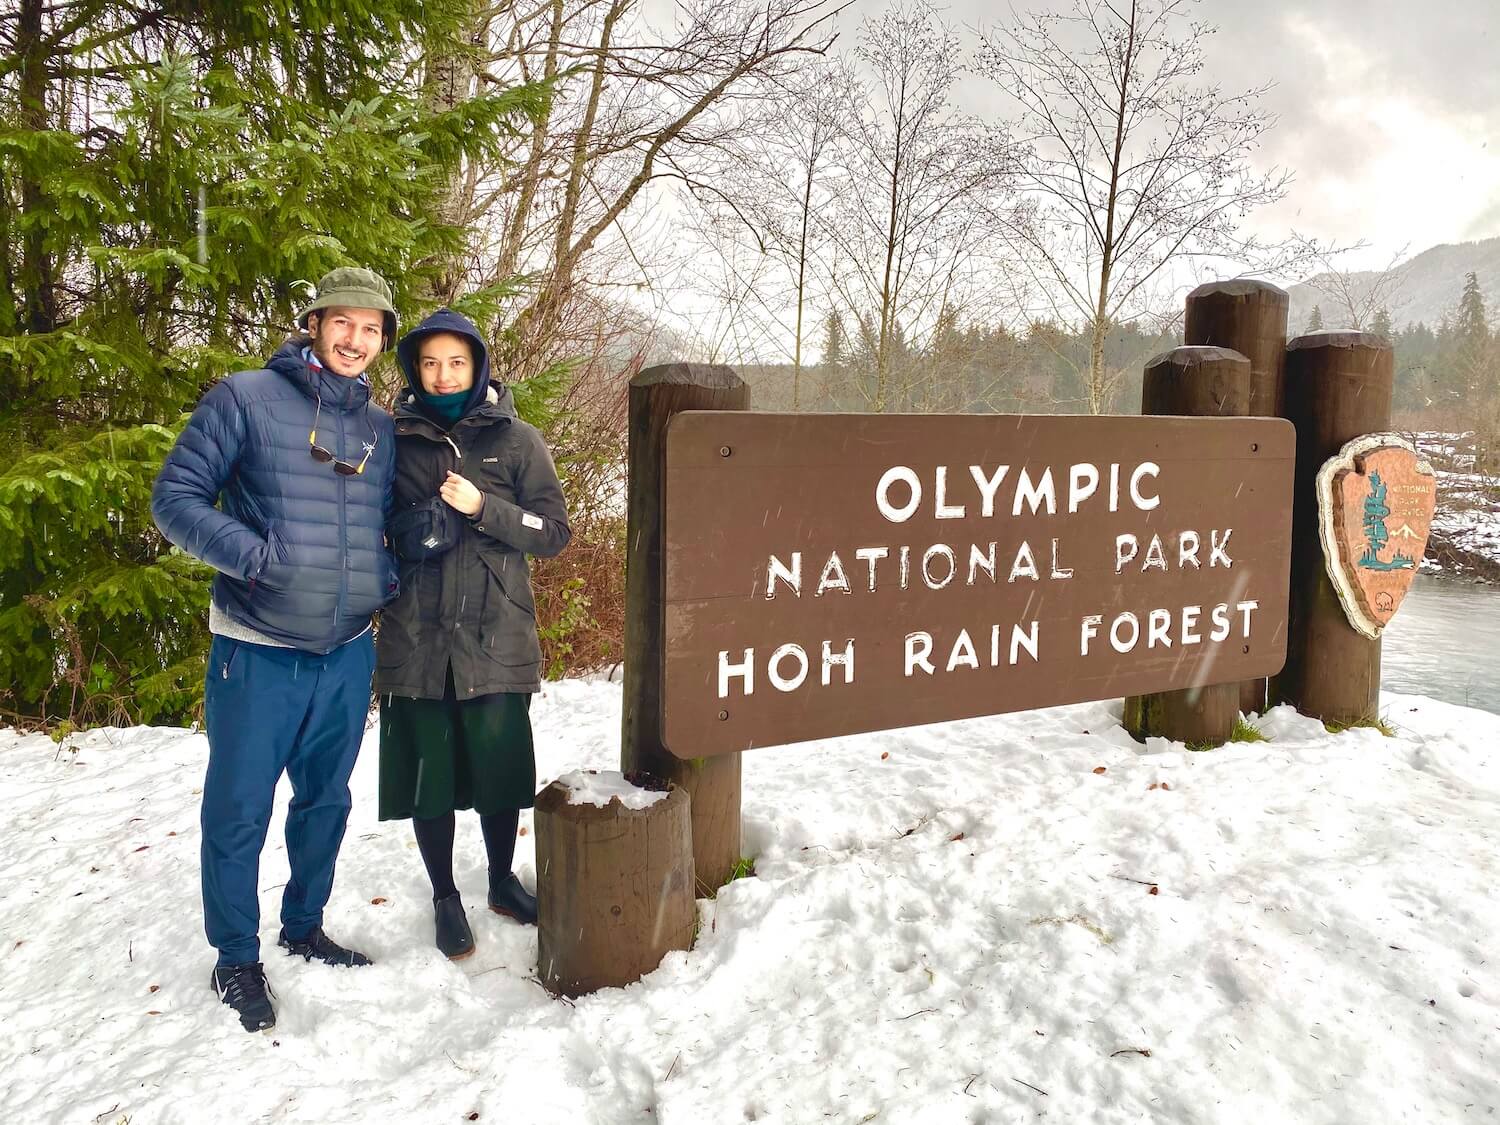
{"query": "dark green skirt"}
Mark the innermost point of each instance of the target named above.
(437, 755)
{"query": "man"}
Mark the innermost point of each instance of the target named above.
(281, 482)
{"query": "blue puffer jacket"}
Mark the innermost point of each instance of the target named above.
(299, 548)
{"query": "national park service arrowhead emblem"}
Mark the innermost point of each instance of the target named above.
(1375, 505)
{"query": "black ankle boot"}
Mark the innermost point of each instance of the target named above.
(454, 938)
(508, 897)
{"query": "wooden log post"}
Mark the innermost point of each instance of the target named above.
(1338, 387)
(1249, 317)
(713, 784)
(614, 888)
(1197, 381)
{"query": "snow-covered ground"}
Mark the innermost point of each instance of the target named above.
(1006, 919)
(1468, 522)
(1465, 540)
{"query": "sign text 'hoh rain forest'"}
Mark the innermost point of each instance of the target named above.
(831, 574)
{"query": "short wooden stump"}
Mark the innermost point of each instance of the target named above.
(614, 889)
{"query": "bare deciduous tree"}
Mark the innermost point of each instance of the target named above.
(1131, 163)
(908, 227)
(764, 204)
(633, 108)
(1355, 299)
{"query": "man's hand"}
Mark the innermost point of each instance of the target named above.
(461, 495)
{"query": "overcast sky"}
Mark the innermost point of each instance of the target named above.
(1389, 110)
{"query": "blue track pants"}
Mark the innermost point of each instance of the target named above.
(269, 710)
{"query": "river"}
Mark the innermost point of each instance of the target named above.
(1444, 642)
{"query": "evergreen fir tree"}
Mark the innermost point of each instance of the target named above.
(1381, 324)
(835, 346)
(1471, 332)
(1471, 323)
(941, 373)
(1417, 367)
(170, 177)
(1315, 321)
(1376, 512)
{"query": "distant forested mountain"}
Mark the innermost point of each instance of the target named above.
(1426, 289)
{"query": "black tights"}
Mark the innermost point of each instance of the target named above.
(435, 842)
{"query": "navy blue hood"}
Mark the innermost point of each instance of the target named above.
(446, 320)
(337, 392)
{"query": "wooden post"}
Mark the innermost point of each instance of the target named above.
(1249, 317)
(614, 889)
(1338, 387)
(713, 783)
(1198, 381)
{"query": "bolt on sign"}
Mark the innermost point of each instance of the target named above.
(828, 574)
(1376, 497)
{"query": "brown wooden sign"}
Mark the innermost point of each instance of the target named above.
(829, 574)
(1376, 497)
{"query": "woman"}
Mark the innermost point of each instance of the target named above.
(457, 656)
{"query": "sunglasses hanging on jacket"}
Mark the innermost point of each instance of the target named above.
(343, 468)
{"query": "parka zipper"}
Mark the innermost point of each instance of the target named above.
(452, 589)
(457, 558)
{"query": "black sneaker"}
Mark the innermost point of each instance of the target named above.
(319, 945)
(454, 938)
(508, 897)
(244, 988)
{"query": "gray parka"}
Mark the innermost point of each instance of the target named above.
(471, 606)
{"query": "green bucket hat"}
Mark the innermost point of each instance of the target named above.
(351, 287)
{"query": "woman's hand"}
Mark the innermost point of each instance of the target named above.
(460, 495)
